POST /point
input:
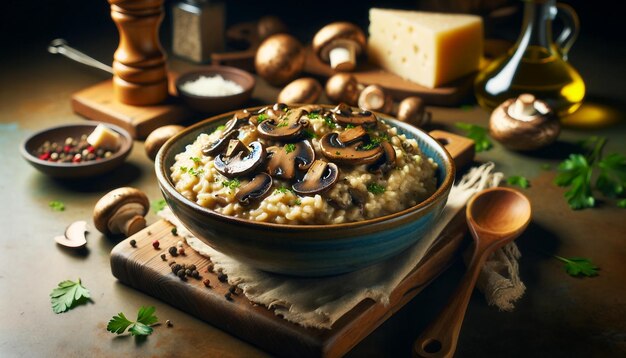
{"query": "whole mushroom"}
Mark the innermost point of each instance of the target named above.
(374, 98)
(158, 137)
(412, 110)
(302, 90)
(524, 123)
(343, 87)
(121, 211)
(279, 59)
(339, 43)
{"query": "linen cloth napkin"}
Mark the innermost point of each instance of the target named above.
(319, 302)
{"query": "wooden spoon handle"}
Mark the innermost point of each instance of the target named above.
(440, 338)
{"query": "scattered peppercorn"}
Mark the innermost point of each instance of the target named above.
(232, 289)
(191, 267)
(176, 268)
(210, 267)
(228, 296)
(72, 150)
(174, 231)
(188, 272)
(195, 274)
(172, 250)
(163, 257)
(222, 277)
(133, 243)
(181, 274)
(181, 250)
(155, 244)
(207, 283)
(168, 323)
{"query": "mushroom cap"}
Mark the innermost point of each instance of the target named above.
(158, 137)
(524, 123)
(343, 87)
(255, 189)
(374, 98)
(286, 127)
(302, 90)
(320, 177)
(279, 59)
(338, 152)
(335, 33)
(107, 205)
(220, 143)
(241, 164)
(343, 114)
(283, 163)
(412, 110)
(387, 161)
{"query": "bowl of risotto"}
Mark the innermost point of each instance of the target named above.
(305, 190)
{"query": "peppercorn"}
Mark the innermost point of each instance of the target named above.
(210, 267)
(163, 257)
(222, 277)
(191, 267)
(207, 283)
(133, 243)
(181, 250)
(228, 296)
(176, 268)
(172, 250)
(195, 274)
(188, 272)
(232, 289)
(174, 231)
(181, 274)
(155, 244)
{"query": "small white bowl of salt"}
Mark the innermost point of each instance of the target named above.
(215, 89)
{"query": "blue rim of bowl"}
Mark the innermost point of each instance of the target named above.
(215, 70)
(444, 187)
(120, 152)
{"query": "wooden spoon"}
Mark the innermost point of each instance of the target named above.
(495, 217)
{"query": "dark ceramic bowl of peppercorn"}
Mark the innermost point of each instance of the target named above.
(307, 250)
(63, 152)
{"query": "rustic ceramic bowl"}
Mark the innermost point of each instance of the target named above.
(307, 250)
(217, 104)
(74, 170)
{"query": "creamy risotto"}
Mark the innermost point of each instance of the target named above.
(305, 165)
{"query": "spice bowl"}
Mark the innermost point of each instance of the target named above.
(71, 170)
(216, 103)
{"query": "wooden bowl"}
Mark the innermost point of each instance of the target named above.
(74, 170)
(217, 104)
(307, 250)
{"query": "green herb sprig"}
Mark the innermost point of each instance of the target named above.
(375, 188)
(68, 295)
(578, 266)
(518, 180)
(231, 184)
(479, 134)
(290, 147)
(158, 205)
(56, 205)
(140, 327)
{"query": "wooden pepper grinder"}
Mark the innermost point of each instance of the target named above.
(139, 73)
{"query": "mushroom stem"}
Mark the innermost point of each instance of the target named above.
(523, 108)
(343, 58)
(126, 219)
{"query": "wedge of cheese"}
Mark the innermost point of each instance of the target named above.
(428, 48)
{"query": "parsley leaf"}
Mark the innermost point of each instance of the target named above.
(195, 172)
(309, 134)
(612, 178)
(575, 173)
(68, 295)
(145, 318)
(290, 147)
(375, 189)
(261, 117)
(518, 180)
(313, 115)
(348, 126)
(196, 160)
(621, 203)
(478, 134)
(578, 266)
(158, 205)
(56, 205)
(375, 141)
(330, 123)
(298, 201)
(219, 128)
(282, 190)
(231, 184)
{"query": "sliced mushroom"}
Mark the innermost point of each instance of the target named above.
(287, 127)
(339, 43)
(121, 211)
(239, 119)
(374, 98)
(74, 235)
(343, 114)
(320, 177)
(352, 135)
(284, 159)
(240, 161)
(219, 144)
(387, 161)
(339, 152)
(255, 189)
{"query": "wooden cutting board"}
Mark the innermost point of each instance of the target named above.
(143, 268)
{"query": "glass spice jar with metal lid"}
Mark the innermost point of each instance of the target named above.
(198, 29)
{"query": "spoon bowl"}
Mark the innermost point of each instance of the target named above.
(495, 217)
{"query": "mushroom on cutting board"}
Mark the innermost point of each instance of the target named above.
(343, 88)
(158, 137)
(524, 123)
(285, 159)
(255, 189)
(279, 59)
(374, 98)
(319, 178)
(339, 43)
(121, 211)
(286, 127)
(240, 160)
(412, 110)
(302, 90)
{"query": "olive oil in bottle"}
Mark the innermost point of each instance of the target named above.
(535, 64)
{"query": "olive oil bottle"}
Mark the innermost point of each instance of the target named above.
(536, 64)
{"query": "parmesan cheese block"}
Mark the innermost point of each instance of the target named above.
(428, 48)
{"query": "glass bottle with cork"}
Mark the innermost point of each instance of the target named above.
(536, 64)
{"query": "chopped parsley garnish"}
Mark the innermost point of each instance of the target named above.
(298, 202)
(330, 123)
(195, 172)
(196, 160)
(313, 115)
(518, 180)
(261, 117)
(283, 124)
(158, 205)
(375, 141)
(282, 190)
(309, 134)
(375, 189)
(478, 134)
(231, 184)
(184, 169)
(290, 147)
(220, 128)
(56, 205)
(348, 126)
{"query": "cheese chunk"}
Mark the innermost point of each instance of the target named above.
(428, 48)
(104, 137)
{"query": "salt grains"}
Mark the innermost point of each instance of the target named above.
(215, 86)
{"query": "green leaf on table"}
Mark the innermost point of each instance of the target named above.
(158, 205)
(621, 203)
(518, 180)
(56, 205)
(579, 266)
(479, 134)
(141, 327)
(68, 295)
(612, 178)
(575, 173)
